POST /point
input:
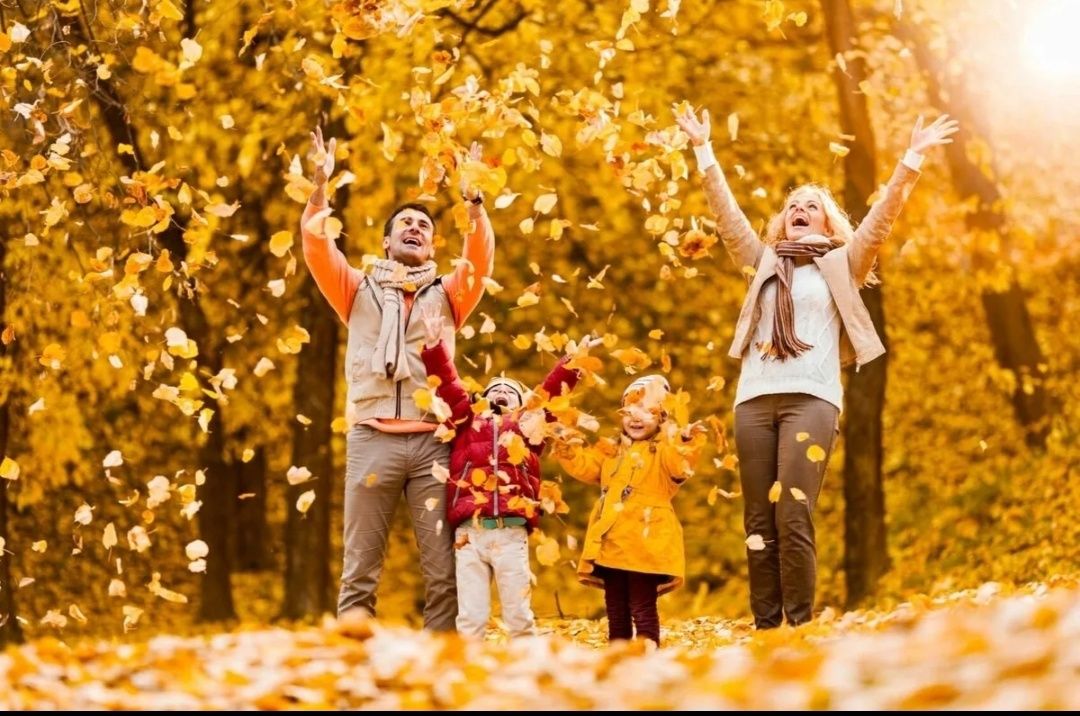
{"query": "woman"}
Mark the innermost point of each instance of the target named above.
(801, 320)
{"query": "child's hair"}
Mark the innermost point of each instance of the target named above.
(836, 220)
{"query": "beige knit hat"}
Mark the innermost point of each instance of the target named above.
(509, 383)
(648, 390)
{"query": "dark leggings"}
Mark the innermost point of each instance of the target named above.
(630, 598)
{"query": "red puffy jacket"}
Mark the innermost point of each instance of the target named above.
(476, 445)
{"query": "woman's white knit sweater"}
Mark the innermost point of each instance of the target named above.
(817, 322)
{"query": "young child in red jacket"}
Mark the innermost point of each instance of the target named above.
(493, 494)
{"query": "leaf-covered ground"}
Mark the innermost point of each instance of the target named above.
(975, 649)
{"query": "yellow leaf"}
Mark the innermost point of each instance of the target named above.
(9, 469)
(755, 542)
(774, 492)
(522, 342)
(515, 449)
(802, 437)
(733, 125)
(547, 552)
(303, 503)
(477, 477)
(545, 203)
(248, 454)
(52, 356)
(40, 546)
(528, 299)
(223, 211)
(169, 10)
(798, 494)
(108, 538)
(280, 243)
(815, 453)
(711, 499)
(838, 149)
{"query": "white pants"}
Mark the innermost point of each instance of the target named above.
(505, 552)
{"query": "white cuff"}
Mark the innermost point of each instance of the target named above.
(705, 156)
(913, 160)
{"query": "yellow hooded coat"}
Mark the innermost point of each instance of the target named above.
(633, 525)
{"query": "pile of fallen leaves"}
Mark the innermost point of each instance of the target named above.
(975, 649)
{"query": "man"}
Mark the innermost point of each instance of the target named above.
(391, 444)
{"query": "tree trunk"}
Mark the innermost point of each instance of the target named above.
(1016, 347)
(866, 556)
(307, 537)
(218, 494)
(10, 633)
(252, 542)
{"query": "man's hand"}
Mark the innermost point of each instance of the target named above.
(468, 192)
(322, 157)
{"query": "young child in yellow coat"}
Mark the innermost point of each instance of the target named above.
(634, 542)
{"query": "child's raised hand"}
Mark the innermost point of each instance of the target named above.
(586, 344)
(433, 324)
(923, 138)
(694, 429)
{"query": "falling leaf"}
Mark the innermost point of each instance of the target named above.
(40, 546)
(802, 437)
(280, 243)
(113, 459)
(545, 203)
(298, 475)
(431, 503)
(774, 492)
(798, 494)
(84, 514)
(264, 366)
(439, 472)
(108, 538)
(303, 503)
(9, 469)
(755, 542)
(815, 453)
(839, 149)
(733, 126)
(277, 287)
(196, 549)
(547, 552)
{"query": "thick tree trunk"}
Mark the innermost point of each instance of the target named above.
(1012, 332)
(218, 495)
(10, 633)
(307, 537)
(866, 556)
(252, 542)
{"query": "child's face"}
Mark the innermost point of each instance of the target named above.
(504, 397)
(639, 423)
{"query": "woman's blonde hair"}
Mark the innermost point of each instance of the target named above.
(836, 220)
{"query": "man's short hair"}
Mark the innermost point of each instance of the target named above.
(416, 206)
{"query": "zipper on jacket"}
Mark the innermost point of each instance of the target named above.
(397, 390)
(457, 485)
(495, 455)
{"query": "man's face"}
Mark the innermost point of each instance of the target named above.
(410, 239)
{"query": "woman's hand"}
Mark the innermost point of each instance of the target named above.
(698, 131)
(924, 138)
